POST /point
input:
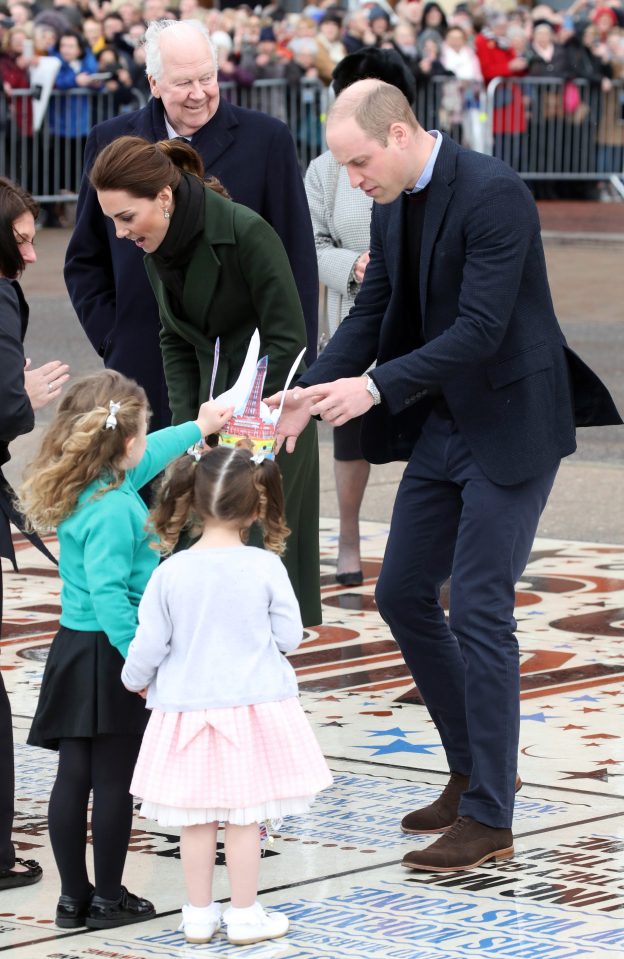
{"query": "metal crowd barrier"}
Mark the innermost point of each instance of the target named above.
(48, 162)
(303, 108)
(558, 130)
(545, 129)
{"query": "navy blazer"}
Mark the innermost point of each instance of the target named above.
(490, 340)
(254, 156)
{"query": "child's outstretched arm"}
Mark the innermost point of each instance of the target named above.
(165, 445)
(286, 624)
(153, 636)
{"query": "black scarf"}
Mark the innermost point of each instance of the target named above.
(175, 252)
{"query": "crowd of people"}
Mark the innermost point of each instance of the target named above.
(469, 40)
(100, 46)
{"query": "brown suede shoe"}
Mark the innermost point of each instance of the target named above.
(466, 845)
(442, 813)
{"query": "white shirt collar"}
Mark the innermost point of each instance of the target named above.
(425, 177)
(171, 132)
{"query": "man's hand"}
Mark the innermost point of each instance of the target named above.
(338, 402)
(294, 418)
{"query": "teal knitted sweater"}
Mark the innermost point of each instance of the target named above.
(105, 554)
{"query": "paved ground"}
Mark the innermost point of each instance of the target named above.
(587, 278)
(570, 217)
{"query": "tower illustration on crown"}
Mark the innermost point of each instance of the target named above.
(253, 423)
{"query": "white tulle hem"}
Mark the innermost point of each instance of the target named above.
(274, 809)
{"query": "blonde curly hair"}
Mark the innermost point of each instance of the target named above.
(77, 448)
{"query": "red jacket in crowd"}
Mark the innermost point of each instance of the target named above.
(509, 114)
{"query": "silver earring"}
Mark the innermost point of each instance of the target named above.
(166, 214)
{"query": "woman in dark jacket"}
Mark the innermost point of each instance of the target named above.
(21, 392)
(217, 269)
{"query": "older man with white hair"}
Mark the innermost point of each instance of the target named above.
(251, 153)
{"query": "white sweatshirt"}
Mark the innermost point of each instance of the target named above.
(213, 624)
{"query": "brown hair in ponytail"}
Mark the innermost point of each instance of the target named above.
(143, 169)
(224, 484)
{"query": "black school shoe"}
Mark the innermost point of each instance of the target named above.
(10, 879)
(109, 913)
(71, 913)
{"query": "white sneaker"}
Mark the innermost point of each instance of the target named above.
(199, 923)
(246, 926)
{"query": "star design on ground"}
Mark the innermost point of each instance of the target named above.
(602, 775)
(401, 746)
(538, 717)
(598, 735)
(397, 731)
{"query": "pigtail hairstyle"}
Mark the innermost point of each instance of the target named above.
(223, 484)
(173, 511)
(77, 446)
(268, 482)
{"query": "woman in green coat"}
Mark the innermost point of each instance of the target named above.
(217, 270)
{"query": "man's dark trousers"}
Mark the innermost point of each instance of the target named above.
(449, 518)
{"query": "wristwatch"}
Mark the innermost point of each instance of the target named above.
(373, 389)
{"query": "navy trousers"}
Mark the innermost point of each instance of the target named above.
(450, 520)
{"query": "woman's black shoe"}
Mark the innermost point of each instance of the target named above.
(356, 578)
(71, 912)
(12, 879)
(109, 913)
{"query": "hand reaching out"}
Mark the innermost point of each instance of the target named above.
(294, 419)
(212, 416)
(340, 401)
(336, 403)
(45, 383)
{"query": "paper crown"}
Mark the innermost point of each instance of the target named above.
(253, 423)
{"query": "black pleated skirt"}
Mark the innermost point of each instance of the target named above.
(82, 694)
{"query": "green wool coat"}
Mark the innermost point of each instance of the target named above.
(239, 279)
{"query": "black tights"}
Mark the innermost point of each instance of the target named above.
(104, 764)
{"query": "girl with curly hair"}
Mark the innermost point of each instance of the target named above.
(94, 458)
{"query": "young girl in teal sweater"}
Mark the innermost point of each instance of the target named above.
(94, 458)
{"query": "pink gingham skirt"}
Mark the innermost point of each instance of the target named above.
(241, 764)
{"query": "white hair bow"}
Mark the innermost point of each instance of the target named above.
(111, 419)
(196, 451)
(258, 458)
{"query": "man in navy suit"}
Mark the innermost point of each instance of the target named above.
(476, 388)
(251, 153)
